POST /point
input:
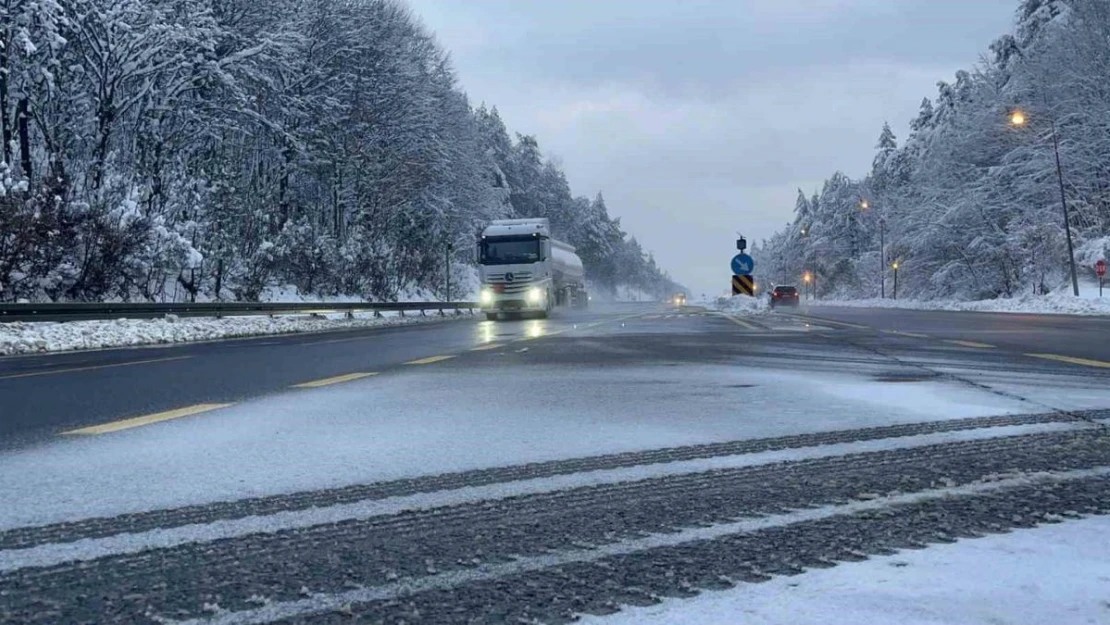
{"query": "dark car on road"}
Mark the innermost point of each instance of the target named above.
(784, 296)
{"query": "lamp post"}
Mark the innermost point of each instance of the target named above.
(1018, 120)
(895, 266)
(864, 204)
(806, 279)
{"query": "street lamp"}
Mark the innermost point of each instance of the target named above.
(1018, 120)
(895, 267)
(807, 278)
(864, 204)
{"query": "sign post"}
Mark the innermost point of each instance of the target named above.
(742, 264)
(1100, 270)
(743, 285)
(742, 267)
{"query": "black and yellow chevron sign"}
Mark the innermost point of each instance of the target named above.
(743, 285)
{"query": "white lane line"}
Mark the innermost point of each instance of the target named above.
(90, 548)
(35, 374)
(321, 603)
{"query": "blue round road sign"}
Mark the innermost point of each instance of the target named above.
(742, 264)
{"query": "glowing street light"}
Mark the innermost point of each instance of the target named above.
(1017, 118)
(864, 204)
(895, 267)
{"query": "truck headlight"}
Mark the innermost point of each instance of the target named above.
(535, 295)
(485, 296)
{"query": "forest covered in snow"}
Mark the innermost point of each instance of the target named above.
(969, 204)
(155, 150)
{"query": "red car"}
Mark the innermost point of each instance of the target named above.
(784, 295)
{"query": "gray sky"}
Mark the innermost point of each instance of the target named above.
(698, 118)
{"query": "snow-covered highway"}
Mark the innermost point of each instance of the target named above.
(534, 470)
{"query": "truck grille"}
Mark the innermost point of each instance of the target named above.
(520, 283)
(518, 276)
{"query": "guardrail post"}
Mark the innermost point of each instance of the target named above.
(378, 314)
(423, 313)
(441, 313)
(350, 314)
(402, 311)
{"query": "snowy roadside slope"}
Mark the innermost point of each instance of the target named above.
(1052, 574)
(1060, 304)
(38, 337)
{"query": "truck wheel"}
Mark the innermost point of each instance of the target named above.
(491, 316)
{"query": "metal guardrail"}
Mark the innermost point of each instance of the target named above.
(91, 311)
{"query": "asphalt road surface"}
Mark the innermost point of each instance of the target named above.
(1059, 335)
(532, 471)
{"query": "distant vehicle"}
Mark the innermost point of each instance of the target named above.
(784, 296)
(679, 299)
(526, 272)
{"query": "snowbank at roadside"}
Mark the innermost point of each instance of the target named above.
(26, 338)
(1055, 303)
(740, 305)
(1051, 574)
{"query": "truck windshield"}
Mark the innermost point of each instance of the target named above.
(510, 251)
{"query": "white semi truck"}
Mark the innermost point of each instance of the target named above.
(526, 272)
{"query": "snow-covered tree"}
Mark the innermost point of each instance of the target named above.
(971, 201)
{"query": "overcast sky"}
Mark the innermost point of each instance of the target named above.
(700, 118)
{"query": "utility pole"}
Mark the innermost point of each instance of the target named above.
(1064, 206)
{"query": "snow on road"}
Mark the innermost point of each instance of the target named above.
(1061, 303)
(1051, 574)
(35, 337)
(393, 427)
(740, 304)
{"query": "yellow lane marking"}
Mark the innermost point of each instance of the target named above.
(739, 322)
(972, 344)
(429, 360)
(335, 380)
(158, 417)
(912, 335)
(90, 368)
(482, 348)
(1071, 360)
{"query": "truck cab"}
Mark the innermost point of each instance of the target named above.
(524, 271)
